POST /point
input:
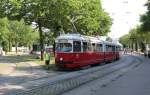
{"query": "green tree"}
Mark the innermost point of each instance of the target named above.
(125, 40)
(109, 39)
(49, 38)
(3, 33)
(145, 19)
(22, 33)
(56, 15)
(136, 38)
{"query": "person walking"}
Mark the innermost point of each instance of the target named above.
(125, 51)
(145, 53)
(47, 58)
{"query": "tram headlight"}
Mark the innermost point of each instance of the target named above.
(61, 59)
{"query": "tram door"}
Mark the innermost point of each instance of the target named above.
(78, 55)
(87, 54)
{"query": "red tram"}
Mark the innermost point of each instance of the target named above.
(75, 50)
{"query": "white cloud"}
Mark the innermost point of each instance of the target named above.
(125, 15)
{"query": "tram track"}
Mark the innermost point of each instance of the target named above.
(22, 74)
(27, 78)
(62, 83)
(102, 82)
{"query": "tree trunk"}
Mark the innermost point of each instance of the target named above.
(30, 47)
(41, 39)
(16, 46)
(136, 46)
(10, 45)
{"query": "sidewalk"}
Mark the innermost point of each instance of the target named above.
(6, 68)
(9, 65)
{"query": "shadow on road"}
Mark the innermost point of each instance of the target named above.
(17, 59)
(22, 74)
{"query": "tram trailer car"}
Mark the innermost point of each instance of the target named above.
(75, 50)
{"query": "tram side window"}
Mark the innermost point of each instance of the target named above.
(107, 48)
(63, 47)
(89, 47)
(117, 48)
(77, 46)
(99, 48)
(113, 48)
(93, 46)
(85, 47)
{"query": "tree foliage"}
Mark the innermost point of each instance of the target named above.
(3, 29)
(145, 19)
(57, 15)
(109, 39)
(137, 37)
(15, 33)
(125, 40)
(22, 34)
(3, 33)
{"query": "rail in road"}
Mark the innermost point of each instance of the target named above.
(65, 82)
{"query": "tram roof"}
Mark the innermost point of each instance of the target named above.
(119, 44)
(93, 39)
(70, 37)
(109, 43)
(80, 37)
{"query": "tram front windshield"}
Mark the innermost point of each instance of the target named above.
(63, 47)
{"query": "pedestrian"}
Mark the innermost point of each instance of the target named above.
(131, 51)
(148, 53)
(47, 59)
(125, 51)
(145, 53)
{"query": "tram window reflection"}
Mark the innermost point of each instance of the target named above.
(85, 47)
(94, 47)
(99, 48)
(63, 47)
(77, 46)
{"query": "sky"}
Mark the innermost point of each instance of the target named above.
(125, 15)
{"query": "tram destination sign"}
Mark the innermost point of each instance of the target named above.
(63, 41)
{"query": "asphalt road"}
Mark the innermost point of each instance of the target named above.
(135, 82)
